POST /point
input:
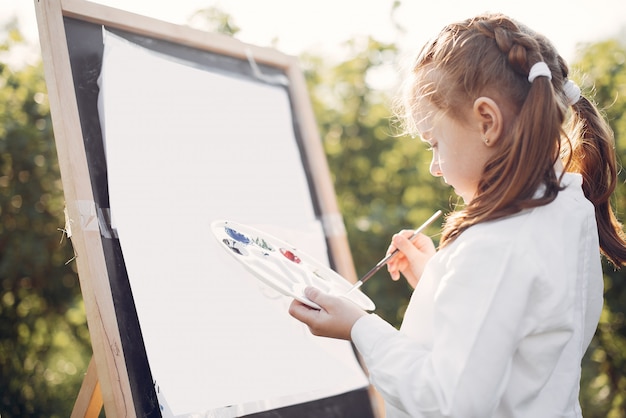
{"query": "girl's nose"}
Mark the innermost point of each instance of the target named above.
(435, 168)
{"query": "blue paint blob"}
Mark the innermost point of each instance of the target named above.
(238, 236)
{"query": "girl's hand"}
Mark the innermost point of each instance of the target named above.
(412, 257)
(334, 320)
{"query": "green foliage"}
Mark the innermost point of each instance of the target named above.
(213, 19)
(603, 384)
(44, 342)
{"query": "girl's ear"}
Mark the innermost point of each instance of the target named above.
(487, 114)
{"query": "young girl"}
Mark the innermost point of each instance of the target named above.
(504, 310)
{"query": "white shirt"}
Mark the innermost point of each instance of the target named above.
(499, 322)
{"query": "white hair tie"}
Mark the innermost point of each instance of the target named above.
(539, 69)
(572, 92)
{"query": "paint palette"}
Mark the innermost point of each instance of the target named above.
(281, 266)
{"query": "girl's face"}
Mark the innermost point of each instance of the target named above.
(459, 151)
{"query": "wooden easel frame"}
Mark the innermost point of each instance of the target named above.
(107, 380)
(89, 400)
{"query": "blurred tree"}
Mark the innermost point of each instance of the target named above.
(213, 19)
(604, 373)
(44, 341)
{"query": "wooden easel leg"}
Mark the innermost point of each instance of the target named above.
(89, 401)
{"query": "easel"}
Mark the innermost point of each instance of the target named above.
(108, 382)
(111, 379)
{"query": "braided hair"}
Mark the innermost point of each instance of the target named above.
(491, 55)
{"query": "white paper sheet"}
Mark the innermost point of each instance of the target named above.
(185, 147)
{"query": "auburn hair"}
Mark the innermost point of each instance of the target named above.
(491, 55)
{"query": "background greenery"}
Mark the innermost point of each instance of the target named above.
(382, 184)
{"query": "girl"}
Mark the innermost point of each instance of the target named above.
(504, 310)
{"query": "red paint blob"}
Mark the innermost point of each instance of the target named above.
(291, 256)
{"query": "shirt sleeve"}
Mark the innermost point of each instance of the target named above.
(479, 315)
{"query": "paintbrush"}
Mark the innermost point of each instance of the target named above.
(385, 260)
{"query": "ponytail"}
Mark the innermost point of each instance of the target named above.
(493, 55)
(593, 156)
